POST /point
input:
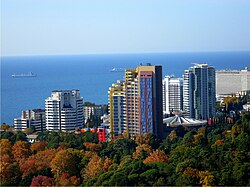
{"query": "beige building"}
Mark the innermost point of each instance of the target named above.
(232, 81)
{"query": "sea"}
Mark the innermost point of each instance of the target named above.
(90, 74)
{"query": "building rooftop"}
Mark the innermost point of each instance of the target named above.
(179, 119)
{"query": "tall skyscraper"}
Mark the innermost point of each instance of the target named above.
(172, 94)
(117, 109)
(199, 91)
(143, 101)
(64, 110)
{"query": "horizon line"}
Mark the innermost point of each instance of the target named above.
(120, 53)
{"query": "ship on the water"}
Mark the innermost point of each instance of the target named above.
(117, 70)
(30, 74)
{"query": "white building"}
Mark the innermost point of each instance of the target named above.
(188, 96)
(199, 91)
(232, 81)
(247, 107)
(172, 94)
(64, 110)
(34, 119)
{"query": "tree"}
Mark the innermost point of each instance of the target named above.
(93, 168)
(5, 147)
(10, 174)
(28, 131)
(67, 161)
(21, 150)
(150, 176)
(107, 163)
(142, 151)
(147, 138)
(42, 181)
(38, 146)
(5, 127)
(118, 179)
(90, 137)
(18, 136)
(156, 156)
(67, 180)
(206, 178)
(38, 162)
(92, 146)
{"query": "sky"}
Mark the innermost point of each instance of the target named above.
(47, 27)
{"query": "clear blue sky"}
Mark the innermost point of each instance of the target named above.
(36, 27)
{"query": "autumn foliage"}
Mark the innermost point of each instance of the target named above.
(93, 168)
(38, 146)
(21, 150)
(156, 156)
(42, 181)
(142, 151)
(66, 161)
(37, 162)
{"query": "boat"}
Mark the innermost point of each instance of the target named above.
(30, 74)
(117, 69)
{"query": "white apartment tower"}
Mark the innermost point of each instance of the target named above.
(199, 91)
(64, 110)
(172, 94)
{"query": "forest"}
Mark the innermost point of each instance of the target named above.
(214, 155)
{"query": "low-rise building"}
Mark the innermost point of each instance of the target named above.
(33, 119)
(247, 107)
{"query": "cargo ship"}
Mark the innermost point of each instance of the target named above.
(30, 74)
(117, 70)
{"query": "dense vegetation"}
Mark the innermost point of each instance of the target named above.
(213, 155)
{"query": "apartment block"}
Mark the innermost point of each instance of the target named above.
(64, 110)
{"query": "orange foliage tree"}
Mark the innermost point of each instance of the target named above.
(143, 139)
(21, 150)
(156, 156)
(92, 146)
(5, 147)
(67, 180)
(142, 151)
(66, 161)
(37, 162)
(107, 163)
(93, 168)
(38, 146)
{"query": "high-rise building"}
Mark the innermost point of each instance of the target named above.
(199, 91)
(172, 89)
(143, 101)
(33, 119)
(188, 93)
(64, 110)
(117, 110)
(239, 81)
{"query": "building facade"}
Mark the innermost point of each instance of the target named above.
(172, 89)
(33, 119)
(64, 110)
(239, 81)
(95, 110)
(117, 109)
(142, 105)
(199, 92)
